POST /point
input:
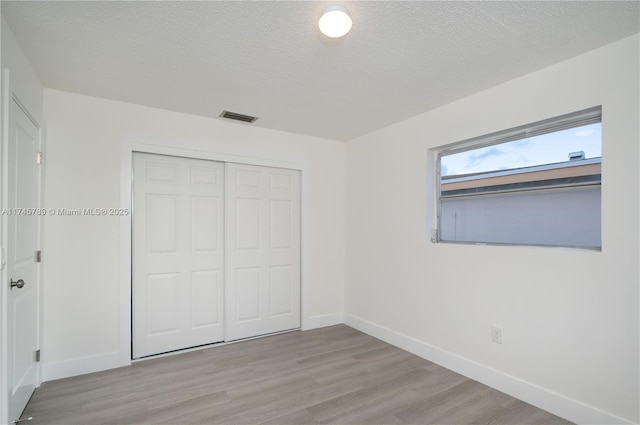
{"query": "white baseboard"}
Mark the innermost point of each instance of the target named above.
(82, 365)
(560, 405)
(545, 399)
(100, 362)
(323, 321)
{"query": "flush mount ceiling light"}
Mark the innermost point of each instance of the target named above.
(335, 21)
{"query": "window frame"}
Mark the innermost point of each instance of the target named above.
(571, 120)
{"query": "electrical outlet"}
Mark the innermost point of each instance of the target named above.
(496, 334)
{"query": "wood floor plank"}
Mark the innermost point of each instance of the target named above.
(333, 375)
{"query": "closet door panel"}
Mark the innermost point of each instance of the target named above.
(178, 253)
(263, 250)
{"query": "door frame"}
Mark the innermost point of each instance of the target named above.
(217, 153)
(9, 97)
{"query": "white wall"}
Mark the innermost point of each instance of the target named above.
(570, 317)
(85, 135)
(23, 83)
(24, 80)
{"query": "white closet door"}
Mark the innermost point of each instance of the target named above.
(263, 250)
(178, 250)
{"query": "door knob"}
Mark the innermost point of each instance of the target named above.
(19, 283)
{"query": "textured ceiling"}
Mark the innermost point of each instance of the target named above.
(268, 58)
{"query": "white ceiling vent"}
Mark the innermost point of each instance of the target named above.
(237, 117)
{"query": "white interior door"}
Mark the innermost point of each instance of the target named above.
(22, 269)
(178, 249)
(263, 250)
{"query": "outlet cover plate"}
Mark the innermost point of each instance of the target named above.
(496, 334)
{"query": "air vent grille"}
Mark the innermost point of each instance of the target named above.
(237, 117)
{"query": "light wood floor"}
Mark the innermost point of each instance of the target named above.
(330, 375)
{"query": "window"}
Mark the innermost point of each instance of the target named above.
(537, 184)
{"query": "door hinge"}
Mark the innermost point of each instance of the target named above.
(37, 355)
(39, 158)
(38, 256)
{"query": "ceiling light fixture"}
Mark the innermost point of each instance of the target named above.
(335, 21)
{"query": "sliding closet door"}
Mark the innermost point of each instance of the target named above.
(178, 253)
(263, 250)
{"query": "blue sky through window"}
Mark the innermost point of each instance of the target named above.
(547, 148)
